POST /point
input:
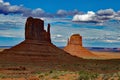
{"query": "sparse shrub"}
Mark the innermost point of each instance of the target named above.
(41, 76)
(55, 77)
(33, 78)
(2, 76)
(105, 77)
(87, 75)
(104, 68)
(76, 64)
(22, 68)
(63, 65)
(118, 74)
(51, 71)
(38, 72)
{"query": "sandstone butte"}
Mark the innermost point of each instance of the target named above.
(75, 48)
(37, 46)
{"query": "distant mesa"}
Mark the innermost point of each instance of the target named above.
(37, 45)
(75, 39)
(74, 47)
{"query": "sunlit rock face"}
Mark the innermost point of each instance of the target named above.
(74, 47)
(75, 39)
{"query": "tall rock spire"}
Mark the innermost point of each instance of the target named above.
(48, 31)
(68, 42)
(48, 28)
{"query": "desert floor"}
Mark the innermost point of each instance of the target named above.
(87, 70)
(1, 49)
(107, 55)
(101, 55)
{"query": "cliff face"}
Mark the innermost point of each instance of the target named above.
(74, 47)
(37, 45)
(34, 30)
(75, 39)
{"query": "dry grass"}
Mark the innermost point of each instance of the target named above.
(64, 75)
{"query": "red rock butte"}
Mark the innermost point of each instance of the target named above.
(74, 47)
(34, 30)
(37, 45)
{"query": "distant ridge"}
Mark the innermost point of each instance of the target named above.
(6, 46)
(101, 49)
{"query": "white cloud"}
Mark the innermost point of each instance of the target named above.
(62, 12)
(12, 26)
(106, 12)
(117, 16)
(92, 17)
(1, 1)
(38, 11)
(61, 30)
(99, 17)
(4, 3)
(84, 17)
(6, 8)
(111, 41)
(16, 19)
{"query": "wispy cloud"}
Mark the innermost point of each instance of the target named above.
(107, 32)
(78, 16)
(63, 13)
(11, 22)
(6, 8)
(12, 26)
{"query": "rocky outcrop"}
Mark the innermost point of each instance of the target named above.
(74, 47)
(37, 46)
(34, 30)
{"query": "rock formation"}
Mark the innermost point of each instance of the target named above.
(74, 47)
(37, 45)
(34, 30)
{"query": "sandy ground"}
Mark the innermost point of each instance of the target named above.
(63, 75)
(107, 55)
(1, 49)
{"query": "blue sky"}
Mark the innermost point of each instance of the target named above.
(97, 21)
(55, 5)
